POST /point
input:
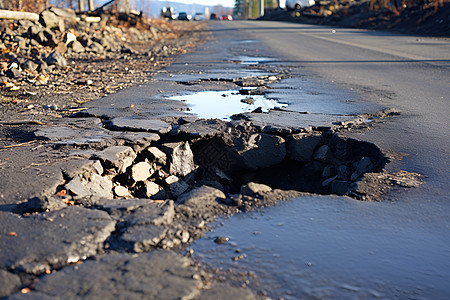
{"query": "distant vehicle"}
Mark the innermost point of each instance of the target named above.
(199, 17)
(226, 18)
(183, 16)
(298, 4)
(167, 13)
(213, 16)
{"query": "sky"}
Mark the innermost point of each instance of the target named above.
(226, 3)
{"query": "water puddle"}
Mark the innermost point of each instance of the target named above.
(224, 104)
(333, 248)
(252, 60)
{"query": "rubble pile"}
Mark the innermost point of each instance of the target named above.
(49, 67)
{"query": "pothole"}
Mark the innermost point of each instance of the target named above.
(317, 162)
(224, 104)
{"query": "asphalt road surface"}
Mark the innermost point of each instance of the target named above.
(408, 238)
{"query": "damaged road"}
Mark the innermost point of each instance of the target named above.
(112, 194)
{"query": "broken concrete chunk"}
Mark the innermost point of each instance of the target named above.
(55, 58)
(52, 239)
(175, 186)
(254, 188)
(203, 195)
(328, 181)
(119, 157)
(263, 150)
(141, 171)
(157, 156)
(181, 158)
(364, 165)
(159, 274)
(48, 19)
(121, 191)
(152, 213)
(322, 153)
(301, 146)
(96, 185)
(132, 123)
(43, 203)
(144, 238)
(154, 190)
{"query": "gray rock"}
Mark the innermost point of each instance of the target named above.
(141, 171)
(175, 186)
(13, 73)
(301, 146)
(65, 13)
(157, 156)
(181, 158)
(55, 58)
(152, 213)
(254, 188)
(328, 181)
(364, 165)
(10, 283)
(201, 196)
(119, 157)
(132, 123)
(143, 238)
(154, 190)
(202, 128)
(95, 47)
(43, 204)
(95, 185)
(322, 153)
(52, 240)
(159, 274)
(121, 191)
(61, 48)
(339, 187)
(328, 171)
(343, 172)
(77, 47)
(29, 65)
(263, 150)
(46, 38)
(48, 19)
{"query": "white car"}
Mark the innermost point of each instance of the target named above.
(298, 4)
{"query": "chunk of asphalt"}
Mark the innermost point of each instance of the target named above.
(159, 274)
(37, 243)
(263, 150)
(301, 146)
(181, 158)
(143, 238)
(119, 157)
(201, 196)
(254, 188)
(135, 124)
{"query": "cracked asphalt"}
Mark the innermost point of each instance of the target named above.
(65, 231)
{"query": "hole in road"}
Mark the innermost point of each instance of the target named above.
(224, 104)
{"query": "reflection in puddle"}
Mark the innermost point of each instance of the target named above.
(252, 60)
(224, 104)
